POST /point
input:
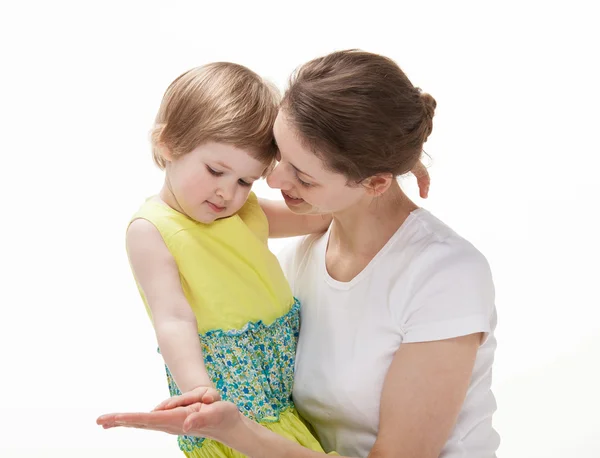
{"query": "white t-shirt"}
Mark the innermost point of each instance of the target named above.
(426, 284)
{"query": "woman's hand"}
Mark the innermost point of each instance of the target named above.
(203, 394)
(215, 421)
(220, 421)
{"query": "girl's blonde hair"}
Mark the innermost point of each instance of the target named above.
(221, 102)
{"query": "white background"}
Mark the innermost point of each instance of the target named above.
(514, 162)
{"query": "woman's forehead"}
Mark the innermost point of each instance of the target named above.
(290, 143)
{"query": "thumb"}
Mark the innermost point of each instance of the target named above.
(193, 421)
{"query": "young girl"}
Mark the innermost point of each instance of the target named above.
(225, 318)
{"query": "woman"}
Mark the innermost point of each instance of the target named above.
(396, 343)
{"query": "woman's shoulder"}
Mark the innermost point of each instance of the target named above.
(443, 284)
(428, 255)
(434, 241)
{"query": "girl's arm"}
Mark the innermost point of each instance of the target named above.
(173, 319)
(285, 223)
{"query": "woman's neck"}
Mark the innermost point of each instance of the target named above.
(365, 228)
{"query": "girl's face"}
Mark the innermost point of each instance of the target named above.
(306, 185)
(212, 181)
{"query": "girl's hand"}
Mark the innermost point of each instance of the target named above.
(200, 394)
(423, 179)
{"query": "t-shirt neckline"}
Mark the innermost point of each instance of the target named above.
(345, 285)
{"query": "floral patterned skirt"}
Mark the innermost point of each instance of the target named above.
(253, 368)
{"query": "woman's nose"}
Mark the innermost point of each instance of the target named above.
(275, 179)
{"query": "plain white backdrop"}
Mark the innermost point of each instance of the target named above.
(513, 160)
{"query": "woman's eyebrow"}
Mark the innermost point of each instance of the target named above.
(300, 171)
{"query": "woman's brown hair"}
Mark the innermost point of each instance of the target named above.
(359, 113)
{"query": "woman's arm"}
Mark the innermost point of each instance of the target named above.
(174, 322)
(423, 393)
(285, 223)
(256, 441)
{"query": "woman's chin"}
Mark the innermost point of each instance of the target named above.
(300, 208)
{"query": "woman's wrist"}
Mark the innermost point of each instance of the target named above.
(242, 436)
(256, 441)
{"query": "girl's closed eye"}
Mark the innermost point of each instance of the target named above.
(213, 171)
(244, 183)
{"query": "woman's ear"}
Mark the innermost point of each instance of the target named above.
(378, 184)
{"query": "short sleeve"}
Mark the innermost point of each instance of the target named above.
(452, 295)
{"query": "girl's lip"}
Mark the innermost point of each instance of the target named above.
(215, 208)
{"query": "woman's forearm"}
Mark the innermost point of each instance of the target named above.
(256, 441)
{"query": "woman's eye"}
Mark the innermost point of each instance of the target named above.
(303, 183)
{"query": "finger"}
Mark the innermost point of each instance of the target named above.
(419, 169)
(105, 417)
(195, 418)
(161, 428)
(110, 425)
(153, 426)
(424, 187)
(162, 405)
(180, 401)
(194, 421)
(146, 418)
(424, 182)
(209, 398)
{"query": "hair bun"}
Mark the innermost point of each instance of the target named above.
(429, 105)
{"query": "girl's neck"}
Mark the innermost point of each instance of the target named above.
(167, 197)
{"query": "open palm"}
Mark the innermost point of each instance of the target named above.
(198, 419)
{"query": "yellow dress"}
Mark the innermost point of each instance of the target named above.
(248, 320)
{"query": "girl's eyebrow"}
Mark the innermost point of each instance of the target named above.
(222, 164)
(225, 166)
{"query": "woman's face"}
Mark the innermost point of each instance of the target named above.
(306, 185)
